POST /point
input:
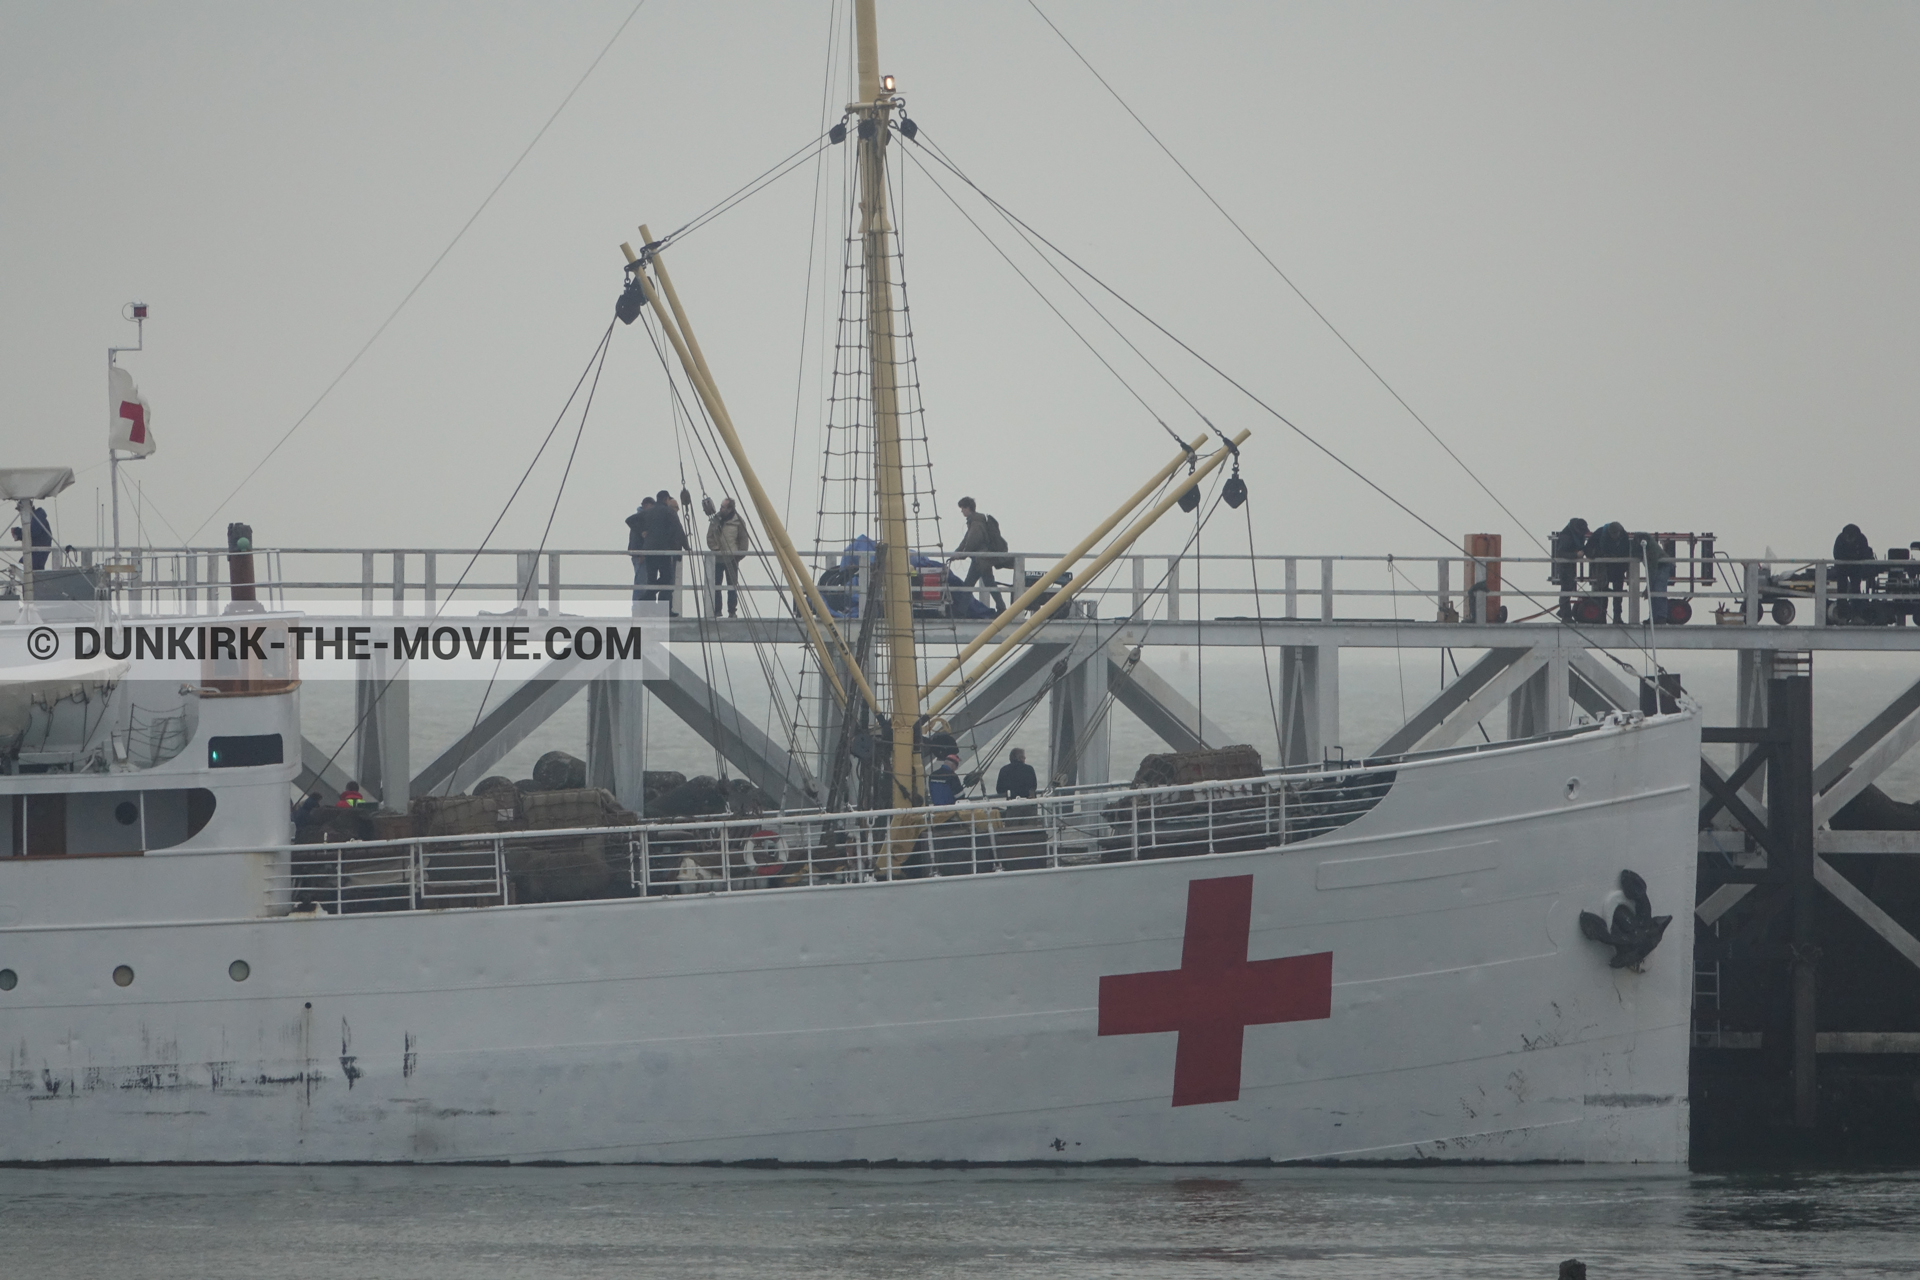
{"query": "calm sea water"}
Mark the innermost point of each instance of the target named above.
(212, 1223)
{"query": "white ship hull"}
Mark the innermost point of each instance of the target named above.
(945, 1019)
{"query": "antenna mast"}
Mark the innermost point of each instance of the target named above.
(874, 111)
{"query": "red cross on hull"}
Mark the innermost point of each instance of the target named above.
(1216, 993)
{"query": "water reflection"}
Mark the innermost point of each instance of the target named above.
(627, 1222)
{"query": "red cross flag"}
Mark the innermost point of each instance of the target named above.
(129, 421)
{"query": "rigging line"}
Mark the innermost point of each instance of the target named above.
(599, 353)
(1118, 332)
(813, 235)
(722, 474)
(1154, 414)
(1399, 655)
(1288, 280)
(1217, 370)
(793, 160)
(1202, 517)
(1260, 618)
(1247, 392)
(1199, 619)
(394, 314)
(585, 410)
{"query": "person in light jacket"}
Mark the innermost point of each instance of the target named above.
(727, 539)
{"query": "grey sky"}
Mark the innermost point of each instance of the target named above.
(1648, 262)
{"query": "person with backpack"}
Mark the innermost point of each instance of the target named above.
(985, 544)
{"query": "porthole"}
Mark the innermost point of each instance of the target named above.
(1573, 788)
(8, 979)
(126, 813)
(239, 970)
(123, 976)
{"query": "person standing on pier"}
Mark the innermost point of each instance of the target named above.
(637, 539)
(1568, 544)
(982, 542)
(1607, 552)
(727, 539)
(665, 538)
(1850, 548)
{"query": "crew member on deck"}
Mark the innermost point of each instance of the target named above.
(983, 539)
(43, 537)
(1851, 545)
(350, 796)
(943, 781)
(1017, 780)
(1567, 547)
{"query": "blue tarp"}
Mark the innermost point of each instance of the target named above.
(962, 603)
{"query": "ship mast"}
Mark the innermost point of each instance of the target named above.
(874, 111)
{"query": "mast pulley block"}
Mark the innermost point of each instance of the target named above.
(631, 299)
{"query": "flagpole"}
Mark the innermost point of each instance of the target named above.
(136, 312)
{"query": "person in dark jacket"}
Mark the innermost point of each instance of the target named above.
(42, 537)
(1851, 546)
(1607, 551)
(943, 781)
(1568, 544)
(977, 543)
(1017, 780)
(664, 533)
(637, 539)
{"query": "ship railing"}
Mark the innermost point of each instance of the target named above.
(729, 853)
(1459, 587)
(394, 875)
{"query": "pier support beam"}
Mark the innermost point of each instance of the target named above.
(317, 775)
(1172, 717)
(989, 710)
(502, 729)
(1309, 702)
(1866, 755)
(617, 740)
(1480, 689)
(1790, 824)
(382, 710)
(1540, 705)
(1077, 718)
(768, 765)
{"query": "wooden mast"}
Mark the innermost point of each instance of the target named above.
(874, 110)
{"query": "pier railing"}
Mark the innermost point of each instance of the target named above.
(725, 854)
(1805, 591)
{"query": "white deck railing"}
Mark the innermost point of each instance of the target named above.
(731, 854)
